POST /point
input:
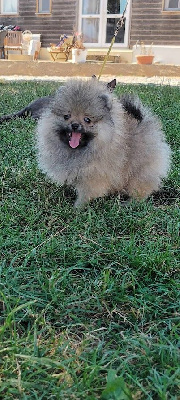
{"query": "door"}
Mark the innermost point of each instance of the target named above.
(98, 19)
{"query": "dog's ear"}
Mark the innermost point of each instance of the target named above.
(111, 85)
(106, 101)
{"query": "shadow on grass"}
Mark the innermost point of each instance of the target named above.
(165, 196)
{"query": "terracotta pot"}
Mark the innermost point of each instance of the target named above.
(144, 59)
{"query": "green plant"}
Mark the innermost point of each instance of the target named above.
(144, 50)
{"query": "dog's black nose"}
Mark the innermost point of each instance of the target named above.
(75, 126)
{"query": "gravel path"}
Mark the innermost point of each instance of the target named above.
(120, 79)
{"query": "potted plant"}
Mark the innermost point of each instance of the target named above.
(79, 52)
(145, 56)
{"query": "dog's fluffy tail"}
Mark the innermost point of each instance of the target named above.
(150, 155)
(133, 106)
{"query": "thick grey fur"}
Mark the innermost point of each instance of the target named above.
(122, 148)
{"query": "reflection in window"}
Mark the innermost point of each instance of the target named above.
(9, 6)
(172, 4)
(111, 25)
(44, 6)
(90, 30)
(91, 7)
(116, 6)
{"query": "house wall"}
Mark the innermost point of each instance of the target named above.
(150, 24)
(51, 26)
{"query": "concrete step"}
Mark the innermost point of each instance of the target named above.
(123, 55)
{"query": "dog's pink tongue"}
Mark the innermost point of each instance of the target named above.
(75, 139)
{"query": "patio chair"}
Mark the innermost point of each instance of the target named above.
(63, 50)
(13, 41)
(2, 37)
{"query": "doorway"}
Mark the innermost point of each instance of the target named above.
(98, 19)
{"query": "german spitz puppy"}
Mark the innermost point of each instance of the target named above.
(101, 144)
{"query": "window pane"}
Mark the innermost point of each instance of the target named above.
(9, 6)
(122, 6)
(44, 6)
(172, 4)
(91, 7)
(90, 30)
(113, 6)
(111, 26)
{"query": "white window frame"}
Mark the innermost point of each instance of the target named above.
(102, 26)
(167, 8)
(8, 12)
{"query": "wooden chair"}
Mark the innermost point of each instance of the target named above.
(63, 51)
(13, 41)
(2, 37)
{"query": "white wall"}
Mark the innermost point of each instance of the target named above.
(163, 54)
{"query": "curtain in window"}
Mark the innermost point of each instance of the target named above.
(91, 7)
(90, 30)
(9, 6)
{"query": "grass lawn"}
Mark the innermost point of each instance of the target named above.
(89, 299)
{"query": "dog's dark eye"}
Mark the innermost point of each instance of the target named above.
(67, 116)
(86, 119)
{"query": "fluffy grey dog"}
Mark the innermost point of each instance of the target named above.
(99, 144)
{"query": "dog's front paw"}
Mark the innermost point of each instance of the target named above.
(81, 201)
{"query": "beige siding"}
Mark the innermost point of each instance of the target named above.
(150, 24)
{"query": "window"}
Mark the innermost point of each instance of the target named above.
(9, 6)
(172, 5)
(44, 6)
(98, 19)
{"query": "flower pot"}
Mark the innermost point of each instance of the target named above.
(79, 55)
(144, 59)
